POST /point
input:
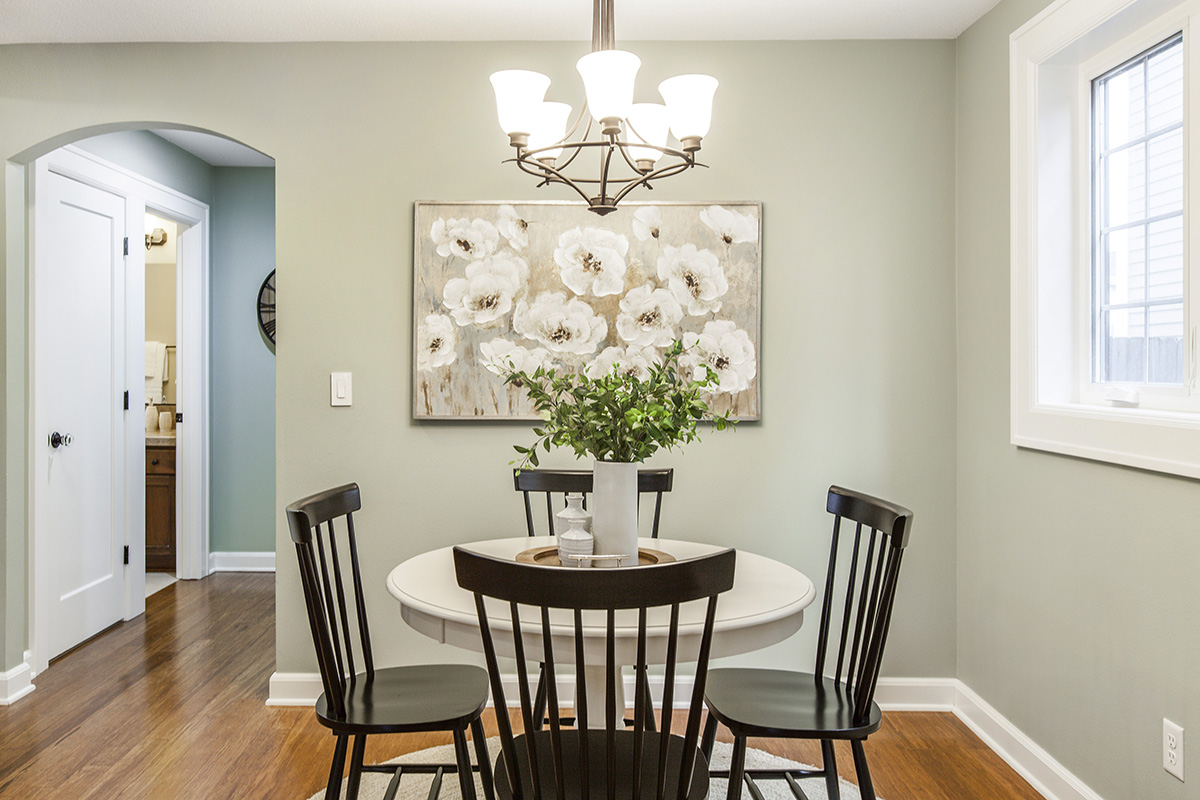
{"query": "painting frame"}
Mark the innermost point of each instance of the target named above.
(438, 262)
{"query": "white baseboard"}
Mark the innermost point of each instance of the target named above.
(916, 694)
(1046, 775)
(17, 682)
(241, 562)
(294, 688)
(1049, 778)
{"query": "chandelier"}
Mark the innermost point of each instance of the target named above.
(630, 138)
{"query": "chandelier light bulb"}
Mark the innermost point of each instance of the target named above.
(608, 77)
(550, 128)
(519, 95)
(648, 124)
(689, 106)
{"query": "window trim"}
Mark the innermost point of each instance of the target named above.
(1051, 246)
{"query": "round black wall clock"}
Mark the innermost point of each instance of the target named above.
(266, 307)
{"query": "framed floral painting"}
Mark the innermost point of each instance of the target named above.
(554, 284)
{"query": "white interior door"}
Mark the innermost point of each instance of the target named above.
(80, 358)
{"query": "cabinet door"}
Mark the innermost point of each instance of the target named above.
(160, 522)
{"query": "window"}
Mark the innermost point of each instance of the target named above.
(1137, 318)
(1105, 298)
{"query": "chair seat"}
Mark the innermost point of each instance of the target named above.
(428, 697)
(597, 773)
(768, 702)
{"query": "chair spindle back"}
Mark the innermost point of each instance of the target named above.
(867, 588)
(327, 579)
(610, 591)
(561, 482)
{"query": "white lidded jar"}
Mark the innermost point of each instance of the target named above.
(573, 510)
(575, 541)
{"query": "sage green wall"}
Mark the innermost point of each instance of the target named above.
(1077, 589)
(242, 514)
(849, 145)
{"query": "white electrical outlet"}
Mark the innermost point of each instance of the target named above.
(1172, 748)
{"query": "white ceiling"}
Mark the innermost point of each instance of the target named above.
(216, 150)
(478, 20)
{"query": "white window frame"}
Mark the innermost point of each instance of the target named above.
(1054, 405)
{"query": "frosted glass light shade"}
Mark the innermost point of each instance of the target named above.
(647, 124)
(551, 127)
(608, 77)
(689, 104)
(519, 95)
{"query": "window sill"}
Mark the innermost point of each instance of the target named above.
(1160, 441)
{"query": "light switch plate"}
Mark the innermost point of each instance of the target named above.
(340, 393)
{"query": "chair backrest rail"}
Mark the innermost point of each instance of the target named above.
(633, 589)
(360, 599)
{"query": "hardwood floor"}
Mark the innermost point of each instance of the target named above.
(172, 706)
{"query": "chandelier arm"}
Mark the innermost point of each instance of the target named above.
(644, 180)
(624, 148)
(606, 161)
(549, 174)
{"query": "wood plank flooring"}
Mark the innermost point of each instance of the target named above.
(172, 706)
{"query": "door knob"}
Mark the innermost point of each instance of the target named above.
(61, 439)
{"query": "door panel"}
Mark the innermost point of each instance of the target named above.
(79, 285)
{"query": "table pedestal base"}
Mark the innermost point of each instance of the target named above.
(597, 696)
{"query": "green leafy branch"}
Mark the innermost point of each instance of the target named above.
(617, 417)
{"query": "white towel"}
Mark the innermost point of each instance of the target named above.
(156, 369)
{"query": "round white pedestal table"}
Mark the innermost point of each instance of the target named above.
(766, 605)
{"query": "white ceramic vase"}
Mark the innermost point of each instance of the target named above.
(614, 510)
(574, 510)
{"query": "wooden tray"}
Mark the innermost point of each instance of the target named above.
(548, 556)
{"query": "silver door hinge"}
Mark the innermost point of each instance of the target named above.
(126, 245)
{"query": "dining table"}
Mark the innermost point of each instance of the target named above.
(765, 606)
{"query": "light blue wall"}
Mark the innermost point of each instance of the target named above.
(153, 157)
(243, 367)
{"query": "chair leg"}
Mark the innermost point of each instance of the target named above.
(865, 787)
(466, 778)
(737, 768)
(829, 761)
(710, 736)
(539, 699)
(334, 788)
(356, 766)
(485, 760)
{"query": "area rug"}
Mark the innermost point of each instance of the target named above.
(416, 787)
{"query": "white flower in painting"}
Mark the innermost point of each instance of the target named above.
(435, 342)
(733, 227)
(470, 239)
(563, 326)
(648, 317)
(592, 259)
(501, 355)
(633, 361)
(514, 229)
(726, 348)
(647, 223)
(486, 293)
(695, 278)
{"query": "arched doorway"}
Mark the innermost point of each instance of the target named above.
(168, 196)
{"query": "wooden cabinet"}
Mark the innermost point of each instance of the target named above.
(160, 508)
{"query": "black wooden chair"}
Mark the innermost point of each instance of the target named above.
(445, 697)
(798, 705)
(588, 763)
(560, 483)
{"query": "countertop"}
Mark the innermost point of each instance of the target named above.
(160, 438)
